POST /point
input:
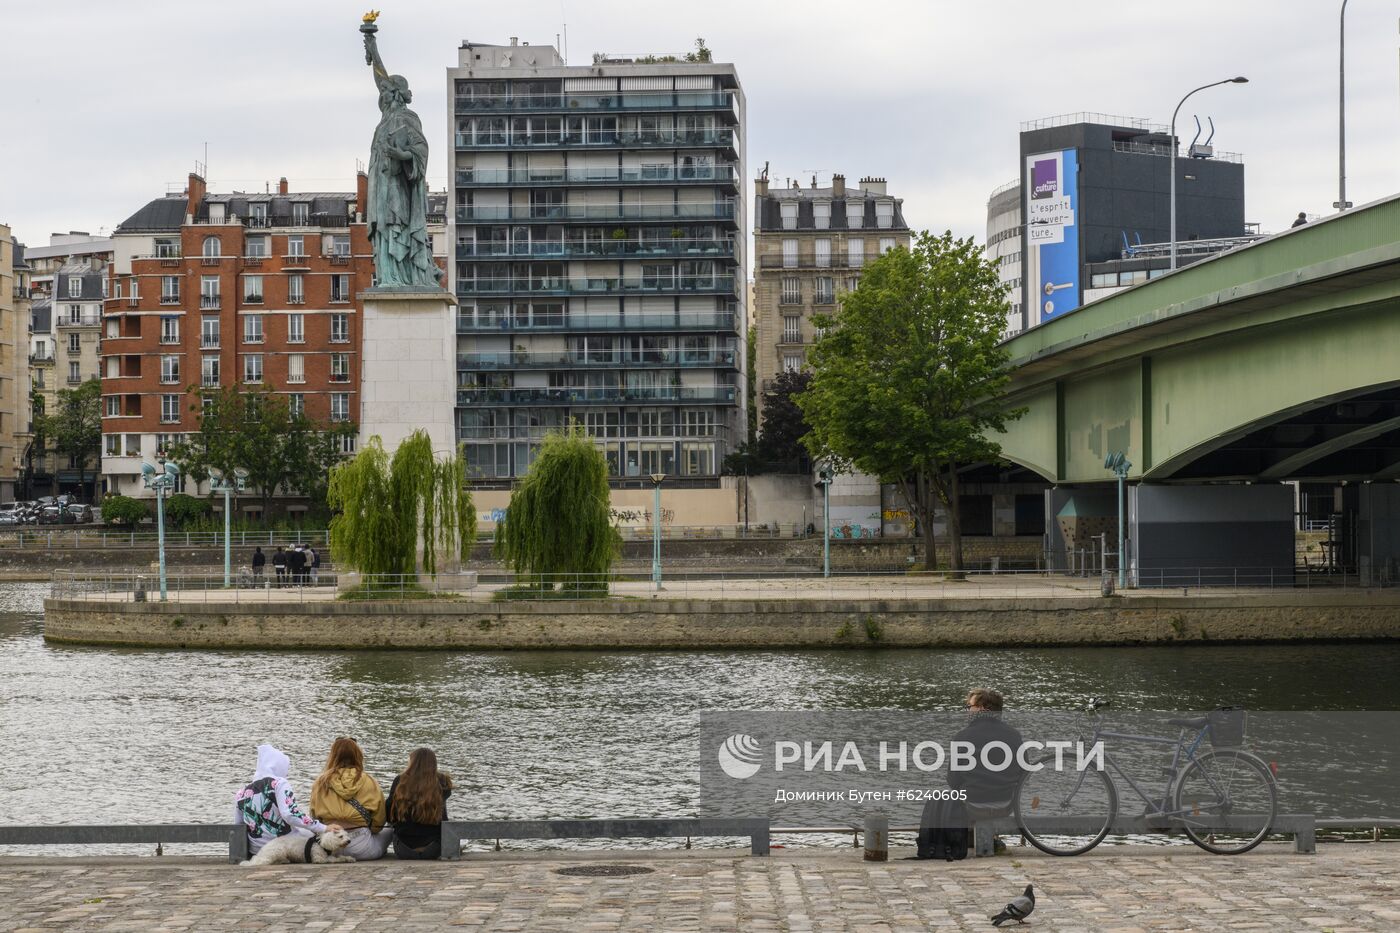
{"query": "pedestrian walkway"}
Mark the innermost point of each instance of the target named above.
(1342, 888)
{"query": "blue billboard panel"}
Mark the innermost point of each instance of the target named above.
(1051, 261)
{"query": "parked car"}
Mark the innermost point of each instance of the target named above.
(10, 513)
(56, 515)
(82, 513)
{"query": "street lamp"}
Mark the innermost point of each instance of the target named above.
(222, 482)
(824, 477)
(1342, 202)
(1118, 463)
(162, 479)
(1172, 196)
(656, 479)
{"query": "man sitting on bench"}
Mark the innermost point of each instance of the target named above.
(990, 793)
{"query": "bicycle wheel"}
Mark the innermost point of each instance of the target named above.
(1066, 812)
(1226, 801)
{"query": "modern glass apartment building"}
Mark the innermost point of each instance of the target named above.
(598, 259)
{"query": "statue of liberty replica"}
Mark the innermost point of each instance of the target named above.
(397, 209)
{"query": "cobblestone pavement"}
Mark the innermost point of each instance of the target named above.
(1342, 888)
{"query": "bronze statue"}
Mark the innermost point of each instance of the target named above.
(397, 211)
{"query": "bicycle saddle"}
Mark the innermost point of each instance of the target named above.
(1196, 723)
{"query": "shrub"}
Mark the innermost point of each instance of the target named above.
(182, 509)
(123, 510)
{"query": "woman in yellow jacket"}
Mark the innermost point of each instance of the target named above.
(345, 796)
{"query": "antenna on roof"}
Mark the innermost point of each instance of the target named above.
(564, 20)
(815, 172)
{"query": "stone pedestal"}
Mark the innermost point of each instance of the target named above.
(408, 375)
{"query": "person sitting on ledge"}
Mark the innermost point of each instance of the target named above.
(988, 790)
(418, 805)
(267, 807)
(345, 796)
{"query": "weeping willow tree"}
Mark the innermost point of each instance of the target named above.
(558, 526)
(388, 510)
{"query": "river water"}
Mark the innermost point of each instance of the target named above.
(126, 736)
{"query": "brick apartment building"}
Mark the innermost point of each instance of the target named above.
(214, 290)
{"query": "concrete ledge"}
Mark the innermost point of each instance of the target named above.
(732, 624)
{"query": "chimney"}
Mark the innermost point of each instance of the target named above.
(873, 185)
(814, 183)
(282, 185)
(514, 40)
(760, 187)
(361, 192)
(838, 186)
(194, 194)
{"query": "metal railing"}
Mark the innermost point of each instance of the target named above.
(604, 247)
(721, 320)
(658, 285)
(601, 359)
(582, 395)
(66, 537)
(721, 210)
(623, 101)
(600, 176)
(490, 138)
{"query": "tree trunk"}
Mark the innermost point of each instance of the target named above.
(923, 508)
(955, 555)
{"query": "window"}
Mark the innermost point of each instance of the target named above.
(697, 459)
(340, 244)
(884, 214)
(104, 287)
(112, 406)
(825, 290)
(212, 249)
(301, 216)
(169, 329)
(1103, 280)
(256, 246)
(74, 375)
(252, 289)
(821, 215)
(169, 289)
(296, 289)
(886, 244)
(133, 445)
(252, 328)
(170, 409)
(257, 212)
(209, 372)
(296, 367)
(112, 445)
(75, 286)
(340, 288)
(792, 329)
(209, 292)
(209, 333)
(296, 404)
(296, 328)
(789, 211)
(340, 328)
(855, 214)
(169, 368)
(792, 362)
(789, 254)
(252, 368)
(823, 248)
(75, 314)
(296, 245)
(75, 343)
(340, 367)
(855, 251)
(340, 406)
(167, 248)
(792, 291)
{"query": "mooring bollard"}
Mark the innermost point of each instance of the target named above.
(877, 838)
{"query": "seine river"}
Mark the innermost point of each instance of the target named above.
(121, 735)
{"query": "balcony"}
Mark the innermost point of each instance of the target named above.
(580, 395)
(599, 248)
(538, 432)
(614, 359)
(554, 214)
(169, 339)
(663, 174)
(704, 321)
(667, 285)
(606, 103)
(671, 139)
(810, 262)
(170, 299)
(209, 382)
(209, 302)
(207, 342)
(86, 320)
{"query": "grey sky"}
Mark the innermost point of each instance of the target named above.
(108, 102)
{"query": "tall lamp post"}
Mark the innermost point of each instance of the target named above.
(162, 479)
(1118, 463)
(656, 479)
(824, 477)
(1342, 202)
(1172, 208)
(220, 481)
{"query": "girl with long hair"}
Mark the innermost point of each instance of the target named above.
(418, 805)
(345, 796)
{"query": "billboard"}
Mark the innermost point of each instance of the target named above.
(1051, 257)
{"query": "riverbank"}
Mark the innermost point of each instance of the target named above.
(860, 613)
(1343, 887)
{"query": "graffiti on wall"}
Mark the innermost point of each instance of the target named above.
(640, 516)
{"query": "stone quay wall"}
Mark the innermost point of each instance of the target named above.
(731, 623)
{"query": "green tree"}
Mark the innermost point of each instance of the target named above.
(751, 383)
(784, 425)
(909, 380)
(558, 523)
(75, 426)
(387, 510)
(123, 510)
(182, 509)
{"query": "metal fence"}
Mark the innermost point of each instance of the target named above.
(101, 537)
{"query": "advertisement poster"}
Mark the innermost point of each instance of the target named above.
(1052, 237)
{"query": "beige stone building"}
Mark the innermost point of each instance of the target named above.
(14, 365)
(809, 246)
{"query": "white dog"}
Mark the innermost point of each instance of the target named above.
(298, 849)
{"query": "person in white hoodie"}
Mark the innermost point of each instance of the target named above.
(267, 807)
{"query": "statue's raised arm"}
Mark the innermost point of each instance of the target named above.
(369, 28)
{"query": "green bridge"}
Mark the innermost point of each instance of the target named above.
(1277, 361)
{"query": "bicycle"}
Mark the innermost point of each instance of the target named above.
(1224, 799)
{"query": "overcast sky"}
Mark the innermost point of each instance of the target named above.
(106, 103)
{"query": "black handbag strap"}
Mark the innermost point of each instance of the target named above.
(360, 809)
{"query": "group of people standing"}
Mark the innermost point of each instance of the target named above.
(344, 795)
(297, 565)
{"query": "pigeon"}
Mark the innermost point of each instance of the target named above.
(1018, 909)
